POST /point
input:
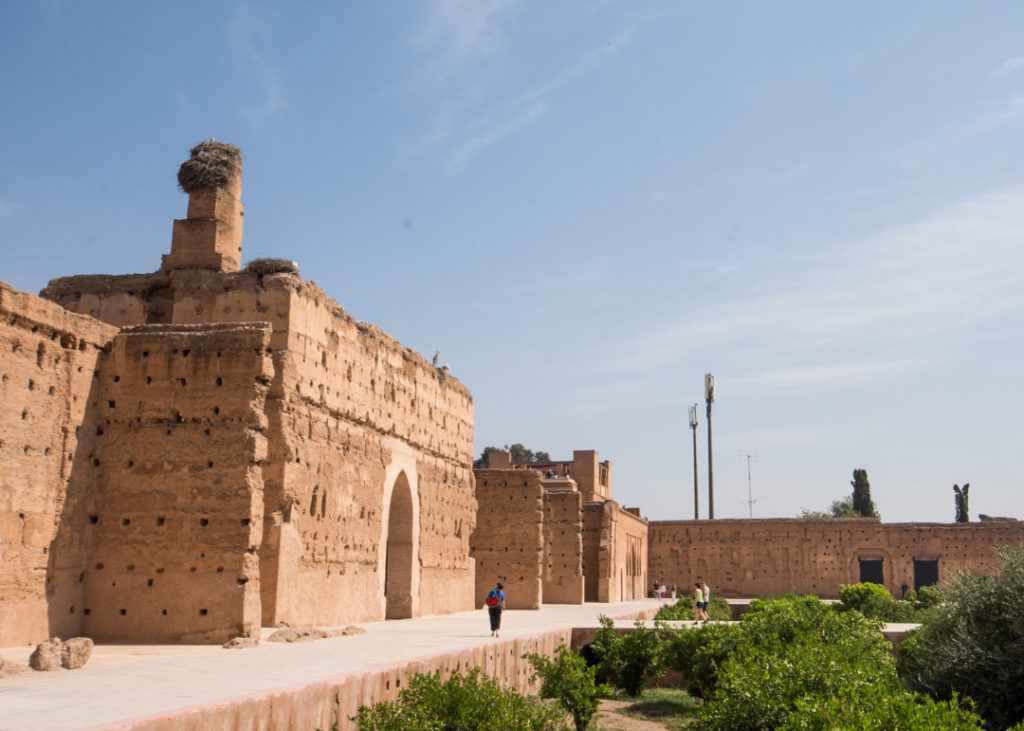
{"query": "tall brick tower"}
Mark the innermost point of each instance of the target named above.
(211, 236)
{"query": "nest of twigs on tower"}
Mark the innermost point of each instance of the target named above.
(212, 165)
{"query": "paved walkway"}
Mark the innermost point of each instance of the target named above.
(124, 682)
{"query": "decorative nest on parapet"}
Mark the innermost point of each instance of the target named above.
(265, 266)
(212, 165)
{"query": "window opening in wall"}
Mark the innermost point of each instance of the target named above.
(926, 572)
(398, 556)
(871, 571)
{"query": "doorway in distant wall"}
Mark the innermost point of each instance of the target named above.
(871, 571)
(926, 572)
(398, 558)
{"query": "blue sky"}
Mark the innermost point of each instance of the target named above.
(587, 206)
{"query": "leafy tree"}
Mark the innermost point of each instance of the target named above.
(962, 515)
(468, 702)
(872, 707)
(628, 659)
(795, 650)
(974, 642)
(839, 509)
(699, 654)
(520, 455)
(571, 682)
(862, 495)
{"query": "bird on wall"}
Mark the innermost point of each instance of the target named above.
(437, 354)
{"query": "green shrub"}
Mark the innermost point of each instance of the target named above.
(792, 648)
(467, 703)
(628, 659)
(871, 600)
(571, 682)
(698, 654)
(928, 597)
(875, 601)
(872, 707)
(973, 643)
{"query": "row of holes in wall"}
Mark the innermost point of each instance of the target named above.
(161, 520)
(123, 612)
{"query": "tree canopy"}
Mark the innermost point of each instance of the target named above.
(856, 505)
(520, 455)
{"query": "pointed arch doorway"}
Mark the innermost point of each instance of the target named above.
(399, 559)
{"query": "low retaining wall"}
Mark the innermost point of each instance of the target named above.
(320, 705)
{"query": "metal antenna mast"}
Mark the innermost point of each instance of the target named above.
(750, 493)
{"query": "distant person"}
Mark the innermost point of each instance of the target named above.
(495, 603)
(673, 591)
(698, 602)
(705, 591)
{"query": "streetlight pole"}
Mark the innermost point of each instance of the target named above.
(693, 427)
(709, 397)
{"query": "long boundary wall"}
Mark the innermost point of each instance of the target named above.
(750, 558)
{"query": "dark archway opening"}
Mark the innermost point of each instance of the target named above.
(399, 559)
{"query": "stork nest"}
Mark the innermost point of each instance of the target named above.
(212, 165)
(265, 266)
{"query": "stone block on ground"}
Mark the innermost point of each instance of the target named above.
(46, 656)
(241, 643)
(75, 652)
(297, 634)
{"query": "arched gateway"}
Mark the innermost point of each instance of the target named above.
(399, 559)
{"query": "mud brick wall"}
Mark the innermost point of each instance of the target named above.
(175, 514)
(750, 558)
(48, 359)
(368, 421)
(508, 543)
(599, 520)
(563, 547)
(350, 411)
(629, 572)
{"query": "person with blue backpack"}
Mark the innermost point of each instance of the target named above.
(495, 603)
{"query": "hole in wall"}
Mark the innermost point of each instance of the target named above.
(202, 612)
(160, 520)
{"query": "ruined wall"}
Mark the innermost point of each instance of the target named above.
(48, 359)
(750, 558)
(365, 420)
(175, 510)
(598, 544)
(508, 543)
(350, 413)
(563, 546)
(629, 570)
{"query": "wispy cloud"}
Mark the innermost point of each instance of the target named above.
(1009, 66)
(485, 139)
(505, 117)
(456, 32)
(244, 32)
(898, 295)
(1008, 112)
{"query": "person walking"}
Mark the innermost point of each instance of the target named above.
(705, 591)
(698, 602)
(495, 603)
